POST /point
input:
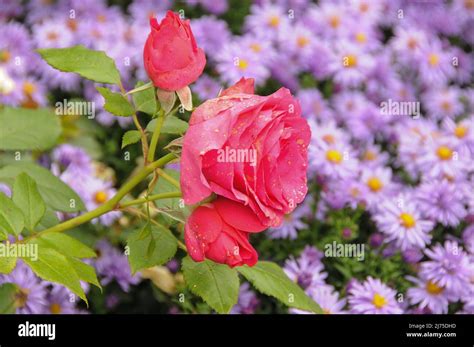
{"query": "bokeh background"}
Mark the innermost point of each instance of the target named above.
(397, 184)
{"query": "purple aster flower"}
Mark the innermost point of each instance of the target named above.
(61, 300)
(292, 223)
(442, 103)
(435, 64)
(52, 34)
(68, 155)
(211, 34)
(428, 295)
(307, 270)
(143, 10)
(215, 6)
(442, 201)
(378, 184)
(373, 297)
(401, 221)
(373, 156)
(235, 62)
(112, 265)
(32, 291)
(327, 298)
(443, 158)
(468, 238)
(313, 106)
(351, 65)
(10, 9)
(248, 301)
(268, 18)
(327, 20)
(462, 132)
(449, 267)
(206, 87)
(333, 160)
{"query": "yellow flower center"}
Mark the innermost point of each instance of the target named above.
(100, 197)
(433, 288)
(4, 56)
(334, 156)
(369, 156)
(274, 21)
(334, 21)
(446, 106)
(21, 297)
(444, 153)
(460, 131)
(29, 88)
(243, 64)
(433, 59)
(256, 47)
(350, 60)
(469, 4)
(407, 220)
(412, 43)
(364, 7)
(326, 311)
(361, 38)
(55, 308)
(379, 301)
(374, 184)
(302, 41)
(329, 139)
(52, 36)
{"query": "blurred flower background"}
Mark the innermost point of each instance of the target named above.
(387, 88)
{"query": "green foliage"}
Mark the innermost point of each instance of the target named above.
(153, 245)
(269, 278)
(93, 65)
(27, 197)
(130, 137)
(55, 267)
(11, 217)
(217, 284)
(8, 291)
(116, 103)
(55, 193)
(26, 129)
(171, 125)
(145, 100)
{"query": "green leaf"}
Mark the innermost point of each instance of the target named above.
(171, 125)
(7, 264)
(11, 217)
(55, 192)
(49, 220)
(269, 278)
(65, 244)
(27, 129)
(217, 284)
(93, 65)
(116, 103)
(28, 199)
(145, 100)
(130, 137)
(8, 293)
(55, 267)
(85, 272)
(151, 248)
(171, 207)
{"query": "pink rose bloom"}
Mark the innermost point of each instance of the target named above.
(248, 148)
(220, 231)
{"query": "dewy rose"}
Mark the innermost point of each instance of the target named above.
(273, 127)
(171, 56)
(220, 231)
